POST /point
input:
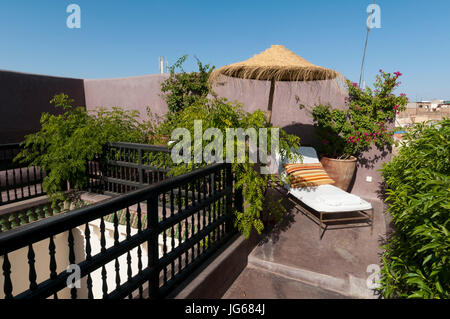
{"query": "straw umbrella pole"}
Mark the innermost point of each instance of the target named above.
(275, 64)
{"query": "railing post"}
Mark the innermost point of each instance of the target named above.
(141, 170)
(8, 287)
(229, 225)
(153, 249)
(238, 200)
(103, 167)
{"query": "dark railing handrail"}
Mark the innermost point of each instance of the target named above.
(40, 230)
(124, 167)
(146, 147)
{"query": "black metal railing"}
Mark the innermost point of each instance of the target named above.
(181, 221)
(18, 181)
(124, 167)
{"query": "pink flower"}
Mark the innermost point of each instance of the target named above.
(355, 84)
(398, 73)
(381, 71)
(366, 134)
(402, 94)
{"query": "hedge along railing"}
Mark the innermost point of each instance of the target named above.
(209, 208)
(17, 181)
(17, 216)
(124, 167)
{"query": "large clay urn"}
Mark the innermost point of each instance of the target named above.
(340, 170)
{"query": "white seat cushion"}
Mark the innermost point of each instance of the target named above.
(329, 199)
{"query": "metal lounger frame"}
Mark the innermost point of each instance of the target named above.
(362, 214)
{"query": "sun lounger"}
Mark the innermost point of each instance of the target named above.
(325, 200)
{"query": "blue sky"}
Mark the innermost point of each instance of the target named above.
(124, 38)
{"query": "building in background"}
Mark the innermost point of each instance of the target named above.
(422, 111)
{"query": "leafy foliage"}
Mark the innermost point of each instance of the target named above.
(364, 122)
(67, 141)
(220, 114)
(417, 258)
(183, 89)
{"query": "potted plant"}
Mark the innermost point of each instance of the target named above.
(366, 120)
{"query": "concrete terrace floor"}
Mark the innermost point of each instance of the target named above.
(292, 262)
(256, 283)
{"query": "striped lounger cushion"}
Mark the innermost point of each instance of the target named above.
(307, 175)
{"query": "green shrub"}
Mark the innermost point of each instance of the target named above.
(67, 141)
(221, 114)
(183, 89)
(416, 263)
(187, 100)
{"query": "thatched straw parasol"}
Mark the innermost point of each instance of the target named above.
(275, 64)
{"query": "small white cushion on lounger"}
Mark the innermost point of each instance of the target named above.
(309, 157)
(329, 199)
(309, 154)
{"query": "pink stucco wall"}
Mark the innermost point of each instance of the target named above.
(287, 98)
(24, 97)
(134, 93)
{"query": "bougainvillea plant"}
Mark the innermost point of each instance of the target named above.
(366, 120)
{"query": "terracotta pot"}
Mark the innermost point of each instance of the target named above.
(341, 171)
